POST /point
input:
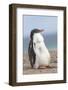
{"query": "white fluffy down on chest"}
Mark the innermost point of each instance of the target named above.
(42, 53)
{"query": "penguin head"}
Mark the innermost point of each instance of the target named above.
(36, 38)
(34, 31)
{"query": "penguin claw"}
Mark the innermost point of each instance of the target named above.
(48, 66)
(43, 67)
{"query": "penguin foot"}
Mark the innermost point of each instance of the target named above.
(48, 66)
(43, 67)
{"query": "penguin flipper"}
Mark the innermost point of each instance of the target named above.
(30, 59)
(30, 54)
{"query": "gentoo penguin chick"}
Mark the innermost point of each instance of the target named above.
(38, 53)
(31, 53)
(41, 51)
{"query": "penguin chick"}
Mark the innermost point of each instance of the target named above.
(41, 52)
(31, 52)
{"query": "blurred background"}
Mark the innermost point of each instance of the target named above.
(48, 23)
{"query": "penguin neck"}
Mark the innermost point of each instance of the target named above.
(43, 46)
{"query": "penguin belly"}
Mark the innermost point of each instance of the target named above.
(41, 51)
(42, 56)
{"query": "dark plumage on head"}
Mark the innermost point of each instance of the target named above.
(35, 31)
